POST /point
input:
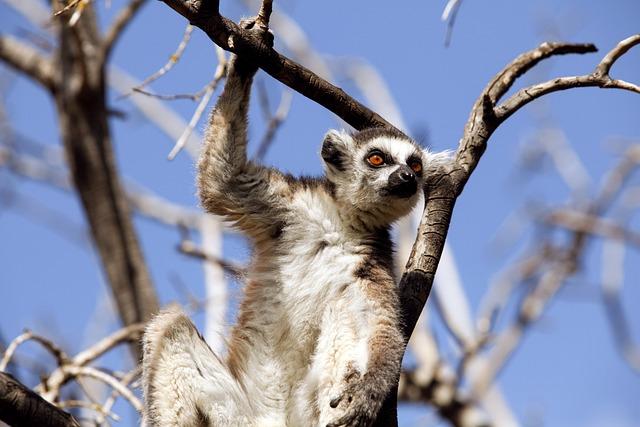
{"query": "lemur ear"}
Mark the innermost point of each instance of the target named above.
(335, 148)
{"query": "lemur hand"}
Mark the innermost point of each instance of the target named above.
(360, 400)
(245, 66)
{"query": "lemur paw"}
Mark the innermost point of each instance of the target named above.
(261, 32)
(243, 65)
(359, 401)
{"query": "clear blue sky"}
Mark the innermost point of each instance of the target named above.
(567, 372)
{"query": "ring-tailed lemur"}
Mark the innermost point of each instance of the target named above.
(317, 341)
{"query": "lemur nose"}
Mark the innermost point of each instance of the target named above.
(407, 176)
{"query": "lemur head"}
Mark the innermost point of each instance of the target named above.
(377, 173)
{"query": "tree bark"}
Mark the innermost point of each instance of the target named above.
(21, 407)
(80, 97)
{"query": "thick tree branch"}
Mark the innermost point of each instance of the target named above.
(80, 98)
(21, 407)
(27, 60)
(229, 36)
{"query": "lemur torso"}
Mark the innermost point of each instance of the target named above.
(303, 297)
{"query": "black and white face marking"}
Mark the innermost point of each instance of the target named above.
(404, 167)
(376, 173)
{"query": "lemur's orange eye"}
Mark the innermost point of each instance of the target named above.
(416, 167)
(375, 159)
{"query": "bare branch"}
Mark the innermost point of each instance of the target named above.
(142, 200)
(210, 89)
(50, 387)
(88, 371)
(275, 120)
(89, 405)
(126, 380)
(613, 255)
(167, 120)
(173, 60)
(19, 406)
(599, 78)
(449, 14)
(231, 37)
(189, 248)
(585, 223)
(440, 392)
(503, 81)
(563, 266)
(127, 334)
(118, 26)
(56, 351)
(265, 13)
(614, 54)
(27, 60)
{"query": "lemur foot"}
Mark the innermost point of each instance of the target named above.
(360, 400)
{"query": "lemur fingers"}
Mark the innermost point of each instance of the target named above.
(246, 65)
(359, 402)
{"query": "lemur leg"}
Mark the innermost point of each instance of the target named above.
(185, 383)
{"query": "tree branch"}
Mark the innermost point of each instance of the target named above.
(118, 26)
(27, 60)
(231, 37)
(599, 78)
(21, 407)
(80, 99)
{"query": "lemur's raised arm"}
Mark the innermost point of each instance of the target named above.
(229, 184)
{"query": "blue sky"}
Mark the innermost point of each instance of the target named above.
(566, 373)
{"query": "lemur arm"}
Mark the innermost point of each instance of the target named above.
(229, 184)
(363, 392)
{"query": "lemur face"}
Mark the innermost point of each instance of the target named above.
(376, 171)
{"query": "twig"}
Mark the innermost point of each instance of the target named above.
(173, 60)
(578, 221)
(56, 351)
(49, 388)
(192, 96)
(69, 5)
(88, 371)
(211, 87)
(265, 13)
(553, 277)
(127, 334)
(88, 405)
(189, 248)
(449, 14)
(118, 26)
(275, 121)
(27, 60)
(126, 381)
(141, 199)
